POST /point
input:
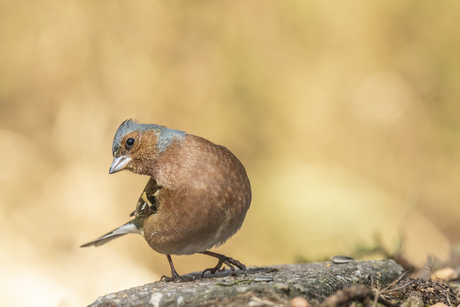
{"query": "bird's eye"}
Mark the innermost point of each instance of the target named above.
(130, 142)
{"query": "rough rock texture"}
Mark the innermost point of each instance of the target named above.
(260, 287)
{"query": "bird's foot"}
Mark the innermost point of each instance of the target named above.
(230, 262)
(176, 278)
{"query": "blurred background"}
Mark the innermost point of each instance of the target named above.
(345, 114)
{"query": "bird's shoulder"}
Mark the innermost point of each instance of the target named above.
(148, 202)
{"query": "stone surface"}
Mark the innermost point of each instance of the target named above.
(274, 285)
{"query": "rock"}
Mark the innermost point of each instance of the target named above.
(278, 285)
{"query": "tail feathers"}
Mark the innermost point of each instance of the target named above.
(130, 227)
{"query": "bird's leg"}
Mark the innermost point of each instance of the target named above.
(230, 262)
(174, 275)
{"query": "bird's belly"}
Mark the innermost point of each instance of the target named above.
(188, 236)
(178, 243)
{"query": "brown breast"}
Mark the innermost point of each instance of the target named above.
(205, 194)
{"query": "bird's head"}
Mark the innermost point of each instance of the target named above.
(136, 146)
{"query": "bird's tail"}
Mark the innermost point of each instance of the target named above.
(134, 226)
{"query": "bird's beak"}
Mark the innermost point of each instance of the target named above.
(119, 164)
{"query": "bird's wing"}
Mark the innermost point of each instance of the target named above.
(147, 203)
(134, 226)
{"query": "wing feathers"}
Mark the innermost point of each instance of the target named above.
(130, 227)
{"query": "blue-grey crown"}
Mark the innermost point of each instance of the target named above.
(165, 135)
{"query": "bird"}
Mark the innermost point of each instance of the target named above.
(196, 198)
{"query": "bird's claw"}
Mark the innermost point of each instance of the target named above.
(230, 262)
(176, 278)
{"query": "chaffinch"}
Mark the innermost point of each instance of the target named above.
(197, 196)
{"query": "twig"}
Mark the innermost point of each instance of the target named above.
(402, 287)
(395, 281)
(376, 297)
(448, 298)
